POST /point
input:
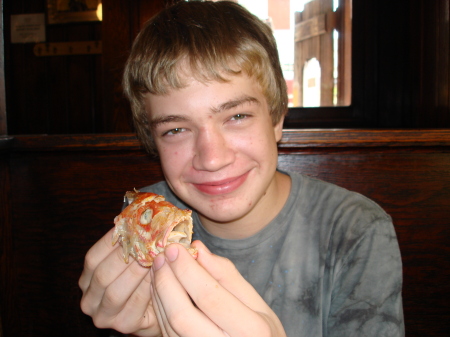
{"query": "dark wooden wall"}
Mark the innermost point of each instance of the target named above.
(76, 93)
(54, 94)
(60, 194)
(401, 71)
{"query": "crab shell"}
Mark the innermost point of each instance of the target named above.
(148, 224)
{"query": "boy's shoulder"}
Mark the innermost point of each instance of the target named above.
(318, 188)
(329, 200)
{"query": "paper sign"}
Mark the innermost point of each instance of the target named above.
(28, 28)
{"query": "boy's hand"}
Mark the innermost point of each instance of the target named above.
(115, 294)
(223, 302)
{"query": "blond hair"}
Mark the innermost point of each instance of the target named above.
(209, 40)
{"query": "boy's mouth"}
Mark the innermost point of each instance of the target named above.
(222, 186)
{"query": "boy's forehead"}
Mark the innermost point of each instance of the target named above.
(245, 90)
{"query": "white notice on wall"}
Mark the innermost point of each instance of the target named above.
(28, 28)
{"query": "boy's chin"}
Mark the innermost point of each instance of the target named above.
(223, 214)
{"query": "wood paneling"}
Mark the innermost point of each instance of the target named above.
(431, 52)
(62, 202)
(77, 93)
(54, 94)
(122, 21)
(3, 122)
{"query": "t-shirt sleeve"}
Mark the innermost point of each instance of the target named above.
(366, 297)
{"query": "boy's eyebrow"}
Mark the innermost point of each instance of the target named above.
(235, 103)
(153, 123)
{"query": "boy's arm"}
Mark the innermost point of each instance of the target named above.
(207, 297)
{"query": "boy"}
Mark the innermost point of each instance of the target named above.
(291, 255)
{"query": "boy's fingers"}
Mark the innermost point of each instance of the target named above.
(176, 307)
(109, 284)
(111, 288)
(138, 311)
(163, 322)
(96, 254)
(126, 291)
(217, 303)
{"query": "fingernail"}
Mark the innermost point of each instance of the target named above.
(158, 262)
(171, 252)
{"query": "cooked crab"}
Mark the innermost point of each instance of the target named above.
(148, 224)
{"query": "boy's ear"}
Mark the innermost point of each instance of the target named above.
(278, 129)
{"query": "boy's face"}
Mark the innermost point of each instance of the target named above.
(218, 147)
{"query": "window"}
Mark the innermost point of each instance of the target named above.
(313, 37)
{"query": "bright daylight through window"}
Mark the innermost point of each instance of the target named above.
(314, 44)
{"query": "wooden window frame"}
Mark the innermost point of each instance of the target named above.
(362, 112)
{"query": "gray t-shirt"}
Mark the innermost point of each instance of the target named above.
(328, 265)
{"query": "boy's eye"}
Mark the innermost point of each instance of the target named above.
(238, 116)
(173, 131)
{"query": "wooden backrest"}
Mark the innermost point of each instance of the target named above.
(59, 195)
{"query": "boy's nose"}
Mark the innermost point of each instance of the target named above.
(213, 151)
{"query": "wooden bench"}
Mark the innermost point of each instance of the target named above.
(59, 195)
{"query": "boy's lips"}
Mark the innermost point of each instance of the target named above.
(223, 186)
